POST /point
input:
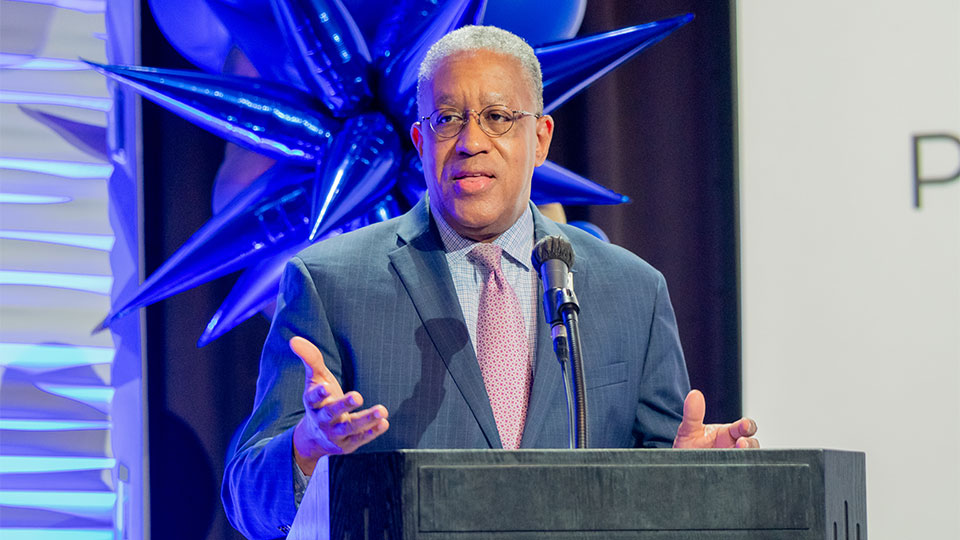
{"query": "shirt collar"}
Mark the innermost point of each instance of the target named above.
(517, 241)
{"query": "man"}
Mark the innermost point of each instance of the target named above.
(434, 315)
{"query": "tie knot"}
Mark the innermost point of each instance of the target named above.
(487, 255)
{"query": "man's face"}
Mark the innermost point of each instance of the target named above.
(481, 184)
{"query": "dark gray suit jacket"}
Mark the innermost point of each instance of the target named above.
(381, 306)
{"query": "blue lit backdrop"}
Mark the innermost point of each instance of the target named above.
(71, 413)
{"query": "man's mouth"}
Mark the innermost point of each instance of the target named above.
(472, 175)
(472, 182)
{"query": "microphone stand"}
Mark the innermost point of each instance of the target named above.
(566, 345)
(561, 348)
(571, 322)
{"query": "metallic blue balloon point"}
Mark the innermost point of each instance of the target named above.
(399, 68)
(194, 29)
(88, 138)
(330, 52)
(594, 230)
(571, 66)
(254, 30)
(555, 184)
(359, 170)
(256, 288)
(538, 23)
(269, 217)
(410, 180)
(275, 120)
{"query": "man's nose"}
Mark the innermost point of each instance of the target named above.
(472, 139)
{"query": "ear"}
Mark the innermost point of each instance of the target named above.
(417, 137)
(544, 136)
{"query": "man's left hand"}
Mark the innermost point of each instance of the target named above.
(693, 433)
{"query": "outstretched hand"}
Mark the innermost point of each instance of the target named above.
(329, 425)
(693, 433)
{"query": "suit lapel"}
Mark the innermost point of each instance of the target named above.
(547, 378)
(421, 264)
(547, 381)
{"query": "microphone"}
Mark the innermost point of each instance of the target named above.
(553, 258)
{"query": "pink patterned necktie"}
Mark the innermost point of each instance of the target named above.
(502, 347)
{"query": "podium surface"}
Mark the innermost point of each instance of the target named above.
(589, 494)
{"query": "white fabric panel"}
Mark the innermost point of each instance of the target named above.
(851, 293)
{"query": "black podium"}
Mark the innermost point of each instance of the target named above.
(588, 494)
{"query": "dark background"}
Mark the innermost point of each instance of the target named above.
(659, 128)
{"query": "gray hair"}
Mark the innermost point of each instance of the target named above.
(489, 38)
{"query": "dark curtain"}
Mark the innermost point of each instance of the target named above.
(659, 129)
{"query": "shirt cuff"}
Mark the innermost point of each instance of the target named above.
(300, 482)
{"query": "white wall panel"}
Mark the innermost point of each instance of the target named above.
(851, 293)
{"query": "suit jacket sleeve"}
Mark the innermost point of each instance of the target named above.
(258, 485)
(664, 382)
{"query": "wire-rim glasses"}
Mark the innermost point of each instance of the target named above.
(494, 120)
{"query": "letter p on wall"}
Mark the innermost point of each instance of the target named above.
(933, 154)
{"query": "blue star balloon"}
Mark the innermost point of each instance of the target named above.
(334, 90)
(410, 179)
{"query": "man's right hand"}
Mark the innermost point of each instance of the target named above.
(329, 425)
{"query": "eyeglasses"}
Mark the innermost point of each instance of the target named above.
(494, 120)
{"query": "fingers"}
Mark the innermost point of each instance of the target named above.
(343, 435)
(745, 427)
(739, 434)
(330, 426)
(694, 409)
(692, 433)
(336, 421)
(314, 395)
(742, 432)
(747, 442)
(355, 430)
(312, 360)
(358, 423)
(352, 442)
(333, 409)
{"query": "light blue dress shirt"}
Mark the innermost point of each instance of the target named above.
(516, 243)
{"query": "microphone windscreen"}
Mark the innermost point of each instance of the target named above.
(552, 247)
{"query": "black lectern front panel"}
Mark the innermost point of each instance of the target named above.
(595, 494)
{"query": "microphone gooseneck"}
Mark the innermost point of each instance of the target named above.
(553, 257)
